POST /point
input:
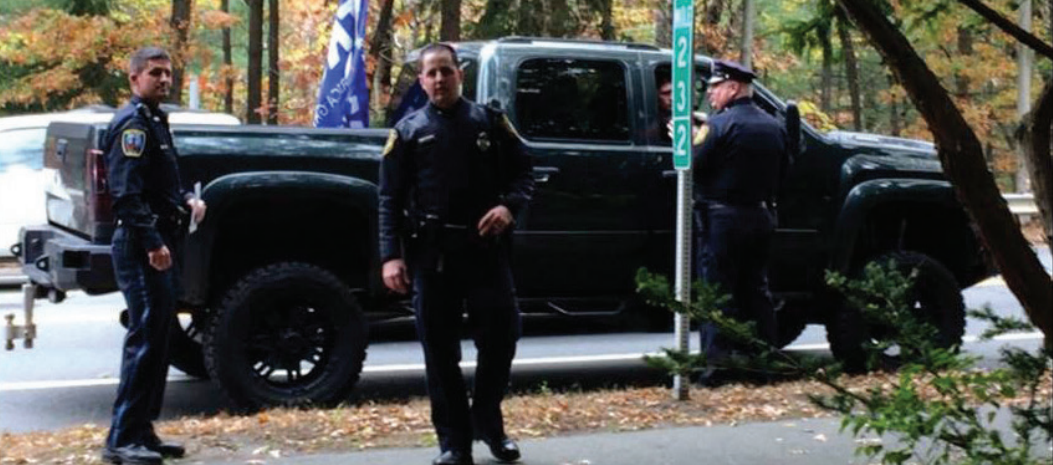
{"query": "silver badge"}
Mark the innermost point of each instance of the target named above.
(483, 141)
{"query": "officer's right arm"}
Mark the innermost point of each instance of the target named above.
(394, 189)
(126, 164)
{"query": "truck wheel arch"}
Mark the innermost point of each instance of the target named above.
(281, 201)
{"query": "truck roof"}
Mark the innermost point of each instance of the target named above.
(475, 47)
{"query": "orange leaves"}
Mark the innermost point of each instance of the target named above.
(216, 19)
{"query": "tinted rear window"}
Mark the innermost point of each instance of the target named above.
(563, 99)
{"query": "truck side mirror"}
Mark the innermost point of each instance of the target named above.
(793, 129)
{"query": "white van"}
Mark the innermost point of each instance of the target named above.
(22, 175)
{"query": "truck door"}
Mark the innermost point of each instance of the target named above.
(585, 233)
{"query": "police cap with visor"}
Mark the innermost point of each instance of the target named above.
(724, 70)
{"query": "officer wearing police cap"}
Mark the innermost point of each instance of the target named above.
(151, 211)
(452, 178)
(736, 173)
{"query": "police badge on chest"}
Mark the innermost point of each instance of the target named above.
(483, 141)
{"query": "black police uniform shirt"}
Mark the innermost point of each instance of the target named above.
(450, 166)
(143, 172)
(740, 158)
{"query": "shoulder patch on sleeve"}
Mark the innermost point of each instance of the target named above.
(393, 136)
(133, 142)
(505, 123)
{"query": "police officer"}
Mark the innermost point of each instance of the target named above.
(453, 176)
(151, 213)
(736, 172)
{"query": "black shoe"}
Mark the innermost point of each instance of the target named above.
(168, 450)
(504, 449)
(131, 455)
(453, 457)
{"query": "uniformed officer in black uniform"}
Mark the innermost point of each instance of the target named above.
(736, 172)
(152, 214)
(453, 177)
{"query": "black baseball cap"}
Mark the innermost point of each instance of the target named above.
(724, 70)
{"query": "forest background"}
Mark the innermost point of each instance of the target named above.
(263, 59)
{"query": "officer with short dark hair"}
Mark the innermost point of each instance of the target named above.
(453, 176)
(151, 213)
(736, 173)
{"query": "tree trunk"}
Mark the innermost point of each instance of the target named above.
(746, 52)
(663, 24)
(1024, 57)
(848, 49)
(962, 158)
(451, 21)
(180, 24)
(228, 64)
(529, 21)
(827, 74)
(380, 51)
(607, 20)
(560, 22)
(1034, 138)
(496, 21)
(273, 55)
(255, 78)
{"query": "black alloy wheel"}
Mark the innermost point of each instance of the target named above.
(288, 334)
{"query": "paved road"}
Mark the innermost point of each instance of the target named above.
(70, 377)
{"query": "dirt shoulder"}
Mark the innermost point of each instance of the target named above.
(284, 432)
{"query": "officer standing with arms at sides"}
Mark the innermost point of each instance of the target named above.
(737, 167)
(152, 214)
(453, 176)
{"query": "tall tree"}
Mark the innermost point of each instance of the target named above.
(228, 63)
(497, 20)
(451, 21)
(962, 157)
(1024, 58)
(180, 24)
(848, 51)
(811, 33)
(607, 19)
(380, 55)
(663, 23)
(255, 71)
(529, 21)
(273, 55)
(748, 16)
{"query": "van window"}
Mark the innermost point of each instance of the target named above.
(560, 99)
(23, 147)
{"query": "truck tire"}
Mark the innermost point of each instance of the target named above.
(287, 334)
(184, 346)
(937, 298)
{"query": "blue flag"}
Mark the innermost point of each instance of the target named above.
(343, 98)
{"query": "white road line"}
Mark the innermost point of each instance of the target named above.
(414, 367)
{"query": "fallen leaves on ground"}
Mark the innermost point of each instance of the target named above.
(283, 432)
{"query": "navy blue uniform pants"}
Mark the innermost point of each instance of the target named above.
(732, 248)
(150, 296)
(477, 280)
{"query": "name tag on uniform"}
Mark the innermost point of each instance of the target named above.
(426, 139)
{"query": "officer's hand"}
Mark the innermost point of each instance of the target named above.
(495, 221)
(395, 276)
(197, 209)
(160, 259)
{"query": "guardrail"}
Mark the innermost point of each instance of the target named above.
(1022, 205)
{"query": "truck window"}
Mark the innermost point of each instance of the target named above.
(660, 111)
(408, 95)
(23, 147)
(560, 99)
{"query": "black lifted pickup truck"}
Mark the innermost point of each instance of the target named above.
(283, 275)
